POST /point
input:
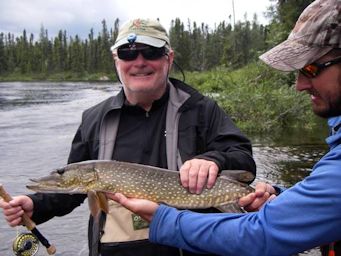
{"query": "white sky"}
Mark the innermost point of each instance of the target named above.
(79, 16)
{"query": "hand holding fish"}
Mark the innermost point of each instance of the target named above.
(15, 209)
(142, 207)
(196, 173)
(146, 209)
(254, 201)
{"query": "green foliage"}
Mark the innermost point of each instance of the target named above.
(196, 48)
(284, 15)
(257, 98)
(62, 54)
(200, 48)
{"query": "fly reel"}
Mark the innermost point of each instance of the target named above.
(25, 244)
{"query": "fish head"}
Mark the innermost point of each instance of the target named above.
(71, 179)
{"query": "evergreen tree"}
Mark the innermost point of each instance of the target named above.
(104, 47)
(76, 57)
(283, 15)
(3, 63)
(10, 53)
(180, 42)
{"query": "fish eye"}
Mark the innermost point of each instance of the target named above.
(60, 171)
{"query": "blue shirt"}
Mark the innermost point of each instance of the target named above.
(300, 218)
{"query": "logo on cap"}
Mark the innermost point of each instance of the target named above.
(137, 23)
(131, 38)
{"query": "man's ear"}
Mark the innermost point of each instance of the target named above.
(171, 55)
(114, 56)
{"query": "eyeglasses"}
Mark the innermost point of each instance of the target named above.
(314, 69)
(148, 52)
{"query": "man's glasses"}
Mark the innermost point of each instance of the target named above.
(148, 52)
(314, 69)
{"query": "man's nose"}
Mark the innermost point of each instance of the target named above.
(302, 82)
(140, 58)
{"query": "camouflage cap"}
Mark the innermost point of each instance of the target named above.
(144, 31)
(317, 31)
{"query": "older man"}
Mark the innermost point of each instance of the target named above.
(154, 120)
(302, 217)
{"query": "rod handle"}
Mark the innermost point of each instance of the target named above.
(30, 225)
(26, 220)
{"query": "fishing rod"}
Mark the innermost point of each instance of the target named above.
(30, 225)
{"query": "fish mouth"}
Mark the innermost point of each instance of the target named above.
(48, 184)
(39, 186)
(45, 183)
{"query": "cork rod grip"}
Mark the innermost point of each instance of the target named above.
(26, 220)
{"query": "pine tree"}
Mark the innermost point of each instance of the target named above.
(3, 57)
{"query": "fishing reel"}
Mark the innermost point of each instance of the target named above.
(25, 244)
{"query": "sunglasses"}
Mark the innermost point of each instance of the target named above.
(314, 69)
(148, 52)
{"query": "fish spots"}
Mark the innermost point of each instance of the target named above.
(141, 181)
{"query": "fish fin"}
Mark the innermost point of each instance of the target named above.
(239, 175)
(103, 202)
(230, 207)
(93, 202)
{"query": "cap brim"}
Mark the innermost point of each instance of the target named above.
(292, 55)
(142, 40)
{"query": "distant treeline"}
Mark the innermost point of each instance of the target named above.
(197, 47)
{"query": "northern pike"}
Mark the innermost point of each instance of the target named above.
(96, 177)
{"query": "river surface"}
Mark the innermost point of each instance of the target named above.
(38, 122)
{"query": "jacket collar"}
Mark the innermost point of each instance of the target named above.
(335, 131)
(118, 100)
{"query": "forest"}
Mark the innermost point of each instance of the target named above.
(197, 47)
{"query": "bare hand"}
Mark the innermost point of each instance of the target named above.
(14, 210)
(196, 173)
(142, 207)
(254, 201)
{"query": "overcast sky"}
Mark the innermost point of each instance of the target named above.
(79, 16)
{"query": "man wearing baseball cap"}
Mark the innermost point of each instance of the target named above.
(154, 120)
(289, 221)
(143, 31)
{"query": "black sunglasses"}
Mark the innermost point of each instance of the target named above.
(314, 69)
(148, 52)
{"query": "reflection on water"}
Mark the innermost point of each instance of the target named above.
(38, 121)
(287, 158)
(288, 164)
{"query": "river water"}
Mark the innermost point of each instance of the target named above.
(38, 122)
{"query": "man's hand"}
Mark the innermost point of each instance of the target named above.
(196, 173)
(254, 201)
(14, 210)
(142, 207)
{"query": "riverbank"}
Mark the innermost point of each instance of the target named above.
(257, 98)
(57, 77)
